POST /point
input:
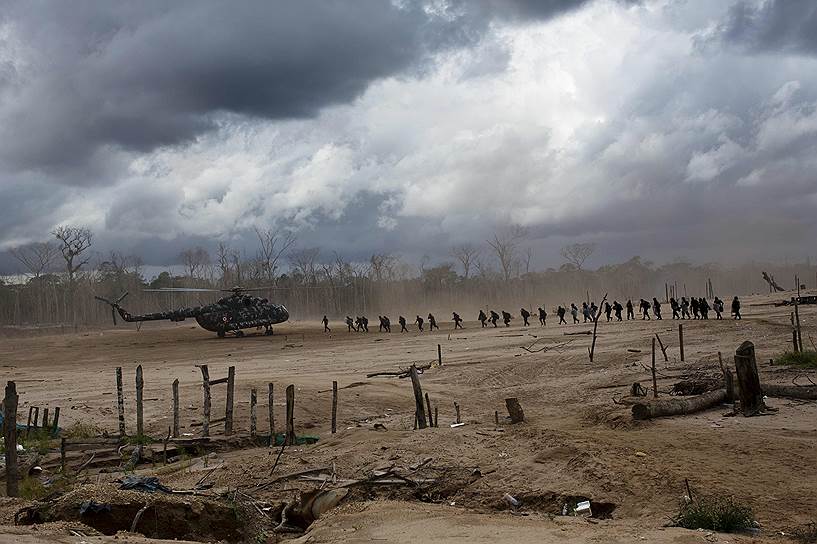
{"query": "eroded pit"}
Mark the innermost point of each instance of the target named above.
(559, 504)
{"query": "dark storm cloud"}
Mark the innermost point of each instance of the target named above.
(91, 76)
(773, 25)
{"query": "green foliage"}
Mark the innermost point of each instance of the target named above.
(32, 489)
(37, 440)
(714, 513)
(81, 429)
(803, 359)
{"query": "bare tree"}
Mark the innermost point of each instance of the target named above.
(73, 242)
(37, 258)
(304, 261)
(195, 261)
(272, 246)
(528, 255)
(576, 254)
(506, 246)
(382, 266)
(466, 254)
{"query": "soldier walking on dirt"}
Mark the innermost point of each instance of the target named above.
(351, 324)
(560, 311)
(617, 307)
(574, 311)
(432, 323)
(656, 308)
(506, 318)
(736, 308)
(482, 318)
(675, 307)
(419, 322)
(364, 322)
(494, 318)
(630, 313)
(685, 308)
(694, 303)
(325, 322)
(608, 310)
(386, 323)
(380, 327)
(645, 310)
(717, 305)
(525, 315)
(457, 321)
(586, 312)
(703, 306)
(543, 315)
(402, 321)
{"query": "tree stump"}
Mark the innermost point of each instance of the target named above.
(515, 410)
(419, 406)
(749, 390)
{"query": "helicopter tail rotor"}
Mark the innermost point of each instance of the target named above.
(113, 304)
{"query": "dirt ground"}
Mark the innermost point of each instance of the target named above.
(576, 441)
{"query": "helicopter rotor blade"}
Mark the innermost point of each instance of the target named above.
(180, 290)
(120, 299)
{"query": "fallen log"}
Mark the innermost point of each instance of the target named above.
(399, 373)
(678, 406)
(806, 392)
(575, 333)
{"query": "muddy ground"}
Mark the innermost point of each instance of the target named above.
(576, 443)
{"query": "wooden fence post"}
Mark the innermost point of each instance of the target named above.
(10, 436)
(797, 321)
(749, 391)
(439, 355)
(663, 349)
(28, 424)
(45, 418)
(419, 408)
(654, 382)
(205, 380)
(334, 407)
(457, 410)
(36, 422)
(436, 421)
(253, 412)
(228, 411)
(290, 436)
(794, 343)
(430, 414)
(271, 417)
(55, 426)
(140, 413)
(176, 408)
(120, 401)
(681, 339)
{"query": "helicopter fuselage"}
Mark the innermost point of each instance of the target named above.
(229, 314)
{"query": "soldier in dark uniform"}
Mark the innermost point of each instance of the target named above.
(380, 327)
(694, 303)
(736, 308)
(560, 311)
(525, 315)
(608, 310)
(675, 307)
(574, 311)
(586, 312)
(432, 323)
(685, 308)
(617, 307)
(402, 321)
(351, 324)
(703, 307)
(543, 315)
(494, 318)
(419, 322)
(364, 322)
(656, 308)
(645, 310)
(630, 313)
(386, 323)
(325, 322)
(717, 305)
(506, 318)
(457, 321)
(594, 311)
(482, 318)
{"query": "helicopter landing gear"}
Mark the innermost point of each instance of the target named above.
(239, 334)
(268, 331)
(221, 333)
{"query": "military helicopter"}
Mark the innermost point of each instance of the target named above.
(229, 315)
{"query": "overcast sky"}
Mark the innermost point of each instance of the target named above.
(656, 128)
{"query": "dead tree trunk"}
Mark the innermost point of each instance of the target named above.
(140, 407)
(205, 380)
(334, 407)
(290, 436)
(228, 410)
(806, 392)
(120, 401)
(749, 391)
(176, 408)
(678, 406)
(515, 410)
(10, 437)
(419, 407)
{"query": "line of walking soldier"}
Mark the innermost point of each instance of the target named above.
(680, 310)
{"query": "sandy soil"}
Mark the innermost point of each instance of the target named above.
(576, 441)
